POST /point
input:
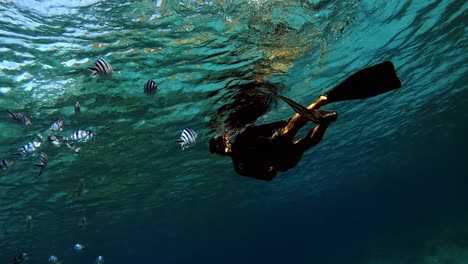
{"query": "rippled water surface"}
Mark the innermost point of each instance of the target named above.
(386, 185)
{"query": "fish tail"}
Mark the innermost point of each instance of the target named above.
(42, 169)
(94, 70)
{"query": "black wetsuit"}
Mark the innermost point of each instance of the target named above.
(256, 154)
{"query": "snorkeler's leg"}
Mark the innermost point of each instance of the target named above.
(312, 138)
(298, 121)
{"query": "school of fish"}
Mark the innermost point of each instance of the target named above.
(35, 149)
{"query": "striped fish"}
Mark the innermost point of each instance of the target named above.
(29, 148)
(53, 260)
(81, 136)
(80, 187)
(57, 125)
(77, 107)
(102, 68)
(150, 88)
(20, 258)
(20, 118)
(5, 164)
(187, 138)
(55, 140)
(43, 164)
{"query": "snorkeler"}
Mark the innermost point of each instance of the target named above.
(261, 151)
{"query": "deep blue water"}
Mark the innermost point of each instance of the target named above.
(387, 185)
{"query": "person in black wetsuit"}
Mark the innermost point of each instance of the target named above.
(261, 151)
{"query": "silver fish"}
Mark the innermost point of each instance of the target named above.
(55, 140)
(102, 68)
(29, 148)
(81, 136)
(77, 107)
(78, 247)
(57, 125)
(43, 164)
(20, 118)
(20, 258)
(28, 220)
(53, 260)
(187, 138)
(83, 222)
(99, 260)
(150, 87)
(80, 187)
(5, 164)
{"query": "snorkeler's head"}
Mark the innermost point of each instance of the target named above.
(218, 146)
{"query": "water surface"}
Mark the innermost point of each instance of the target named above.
(386, 185)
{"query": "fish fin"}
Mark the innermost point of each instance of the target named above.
(42, 169)
(179, 141)
(94, 70)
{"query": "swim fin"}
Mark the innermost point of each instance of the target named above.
(316, 116)
(368, 82)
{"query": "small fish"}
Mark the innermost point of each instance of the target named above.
(80, 187)
(28, 220)
(102, 68)
(99, 260)
(77, 107)
(150, 87)
(5, 164)
(20, 258)
(53, 260)
(55, 140)
(81, 136)
(20, 118)
(57, 125)
(78, 247)
(187, 138)
(29, 148)
(83, 222)
(44, 161)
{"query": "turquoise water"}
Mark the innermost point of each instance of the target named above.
(387, 184)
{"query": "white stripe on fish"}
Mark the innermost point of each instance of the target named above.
(20, 118)
(57, 125)
(187, 138)
(29, 148)
(102, 68)
(81, 136)
(43, 164)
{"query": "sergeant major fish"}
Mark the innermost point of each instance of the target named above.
(44, 160)
(150, 87)
(78, 247)
(5, 164)
(83, 222)
(187, 138)
(57, 125)
(29, 148)
(80, 187)
(99, 260)
(102, 68)
(81, 136)
(20, 258)
(77, 107)
(53, 260)
(20, 118)
(55, 140)
(28, 220)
